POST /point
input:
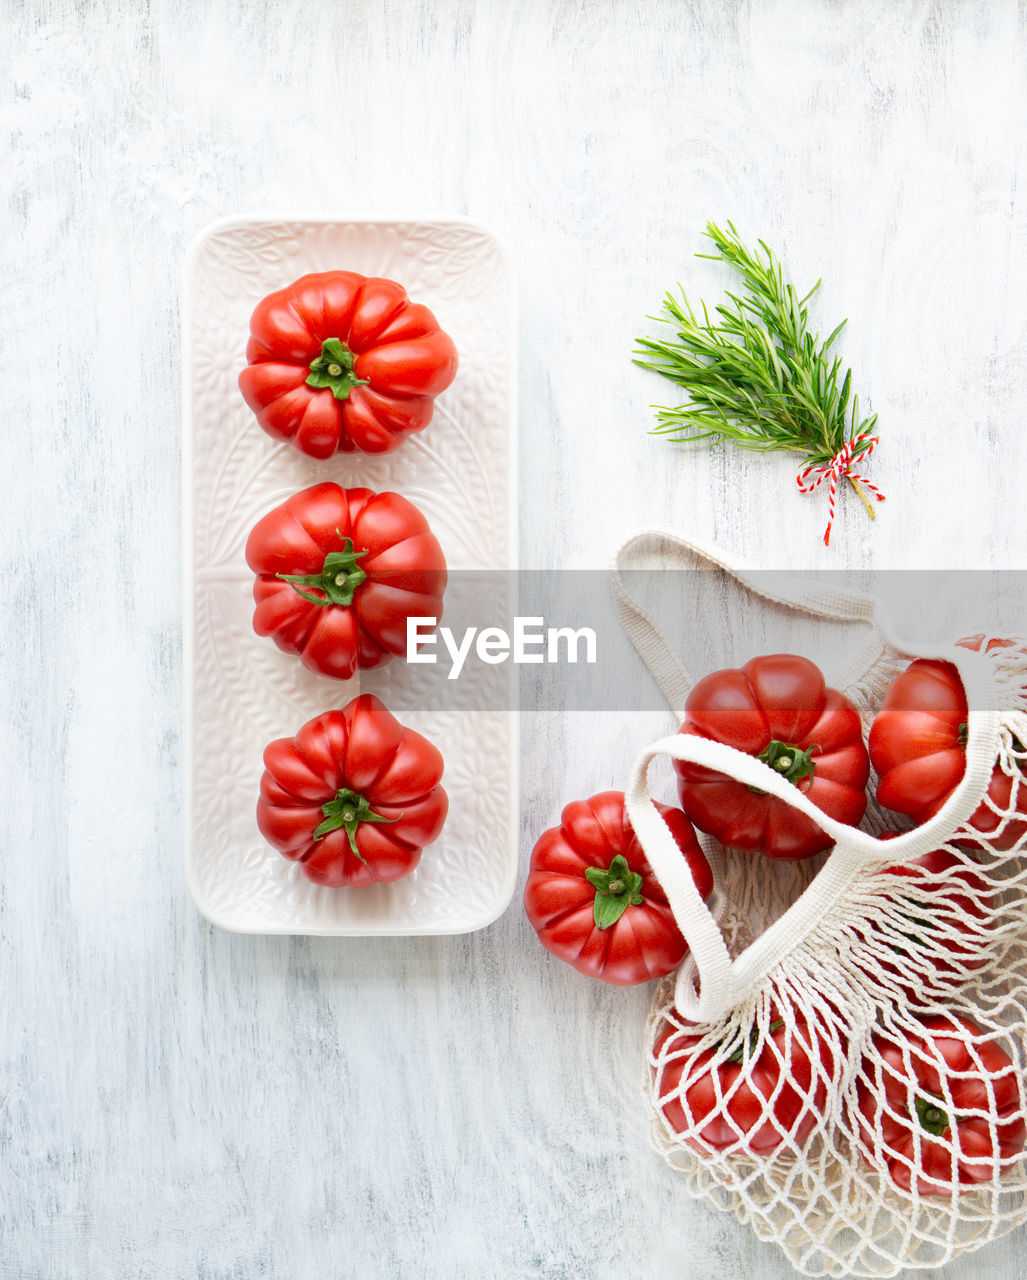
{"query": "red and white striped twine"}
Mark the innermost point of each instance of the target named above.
(840, 467)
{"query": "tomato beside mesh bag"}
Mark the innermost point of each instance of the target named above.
(840, 1058)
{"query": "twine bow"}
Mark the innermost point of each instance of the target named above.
(840, 467)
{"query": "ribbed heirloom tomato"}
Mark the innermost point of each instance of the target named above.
(918, 748)
(339, 362)
(339, 572)
(757, 1095)
(779, 709)
(949, 1090)
(354, 797)
(592, 897)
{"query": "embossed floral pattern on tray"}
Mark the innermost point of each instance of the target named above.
(242, 692)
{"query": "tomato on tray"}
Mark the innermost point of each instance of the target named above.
(353, 797)
(949, 1090)
(339, 572)
(593, 900)
(339, 362)
(918, 749)
(756, 1095)
(779, 709)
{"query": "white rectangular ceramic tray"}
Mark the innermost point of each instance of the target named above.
(240, 691)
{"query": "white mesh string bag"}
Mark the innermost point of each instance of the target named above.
(840, 1059)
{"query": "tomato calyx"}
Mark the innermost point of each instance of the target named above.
(333, 369)
(348, 809)
(617, 888)
(747, 1049)
(339, 578)
(790, 762)
(922, 923)
(963, 735)
(931, 1117)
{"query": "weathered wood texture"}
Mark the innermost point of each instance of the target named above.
(178, 1101)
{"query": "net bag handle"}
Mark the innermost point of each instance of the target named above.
(726, 982)
(661, 660)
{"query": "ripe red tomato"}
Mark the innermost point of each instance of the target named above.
(918, 748)
(339, 572)
(963, 1141)
(753, 1096)
(592, 897)
(339, 362)
(778, 709)
(943, 918)
(353, 797)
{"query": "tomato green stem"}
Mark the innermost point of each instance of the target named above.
(931, 1116)
(617, 888)
(789, 761)
(924, 922)
(347, 810)
(339, 577)
(333, 369)
(747, 1049)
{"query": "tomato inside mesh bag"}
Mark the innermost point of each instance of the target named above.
(840, 1060)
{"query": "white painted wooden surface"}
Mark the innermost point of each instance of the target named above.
(179, 1101)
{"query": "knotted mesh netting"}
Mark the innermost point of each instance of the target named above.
(861, 1102)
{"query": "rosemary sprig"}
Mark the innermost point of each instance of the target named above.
(754, 373)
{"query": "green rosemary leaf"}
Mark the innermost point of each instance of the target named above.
(754, 373)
